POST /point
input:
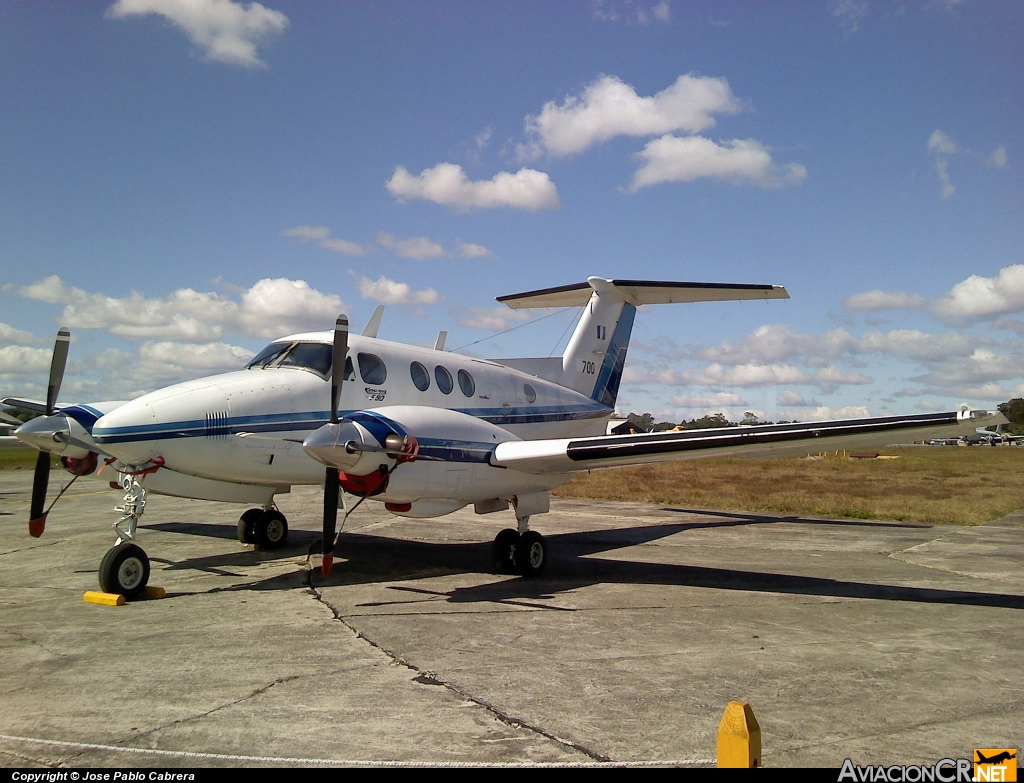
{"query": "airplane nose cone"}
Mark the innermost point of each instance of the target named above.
(140, 430)
(40, 433)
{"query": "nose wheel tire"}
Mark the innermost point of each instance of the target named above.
(270, 530)
(125, 571)
(501, 551)
(531, 554)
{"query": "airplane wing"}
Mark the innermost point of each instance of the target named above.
(764, 440)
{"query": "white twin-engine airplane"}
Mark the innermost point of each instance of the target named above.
(424, 431)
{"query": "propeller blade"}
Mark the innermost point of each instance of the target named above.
(57, 365)
(37, 517)
(331, 489)
(331, 481)
(338, 363)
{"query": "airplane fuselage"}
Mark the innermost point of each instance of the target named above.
(247, 426)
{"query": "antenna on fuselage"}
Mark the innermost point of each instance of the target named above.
(439, 342)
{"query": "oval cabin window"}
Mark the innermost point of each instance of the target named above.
(531, 395)
(444, 379)
(419, 376)
(372, 369)
(466, 383)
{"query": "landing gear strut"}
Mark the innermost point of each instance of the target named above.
(267, 528)
(520, 551)
(125, 567)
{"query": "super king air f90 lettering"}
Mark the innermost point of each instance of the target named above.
(423, 431)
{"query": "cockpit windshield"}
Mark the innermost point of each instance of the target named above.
(309, 356)
(268, 355)
(314, 357)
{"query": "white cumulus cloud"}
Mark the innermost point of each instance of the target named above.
(388, 291)
(498, 320)
(983, 297)
(417, 248)
(825, 413)
(712, 400)
(940, 146)
(469, 250)
(224, 30)
(686, 158)
(998, 157)
(849, 14)
(322, 236)
(873, 301)
(20, 360)
(447, 184)
(608, 107)
(270, 308)
(10, 335)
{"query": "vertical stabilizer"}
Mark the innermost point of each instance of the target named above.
(593, 360)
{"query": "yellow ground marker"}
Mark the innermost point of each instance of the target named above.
(739, 737)
(116, 599)
(103, 599)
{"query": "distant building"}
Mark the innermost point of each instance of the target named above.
(618, 426)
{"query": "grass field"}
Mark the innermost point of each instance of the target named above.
(941, 484)
(19, 459)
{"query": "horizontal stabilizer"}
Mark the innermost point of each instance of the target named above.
(764, 440)
(641, 292)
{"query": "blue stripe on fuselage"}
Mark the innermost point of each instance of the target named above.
(306, 422)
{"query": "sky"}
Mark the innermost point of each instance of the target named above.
(182, 181)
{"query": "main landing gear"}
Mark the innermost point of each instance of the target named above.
(520, 551)
(267, 528)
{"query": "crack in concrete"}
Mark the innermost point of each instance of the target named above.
(139, 735)
(23, 638)
(432, 678)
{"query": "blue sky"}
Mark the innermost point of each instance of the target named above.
(184, 180)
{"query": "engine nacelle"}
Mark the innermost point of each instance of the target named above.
(50, 433)
(452, 468)
(357, 443)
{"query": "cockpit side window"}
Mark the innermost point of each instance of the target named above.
(372, 369)
(268, 355)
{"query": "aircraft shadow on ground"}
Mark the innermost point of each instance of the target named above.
(365, 558)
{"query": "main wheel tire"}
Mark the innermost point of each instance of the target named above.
(124, 570)
(501, 551)
(531, 554)
(247, 525)
(271, 530)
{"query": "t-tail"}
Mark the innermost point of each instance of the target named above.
(596, 354)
